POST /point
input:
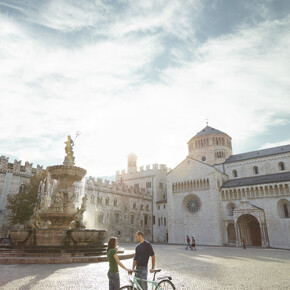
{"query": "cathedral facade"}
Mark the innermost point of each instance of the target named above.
(221, 198)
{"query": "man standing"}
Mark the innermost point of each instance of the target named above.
(142, 253)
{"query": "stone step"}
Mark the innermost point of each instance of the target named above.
(62, 259)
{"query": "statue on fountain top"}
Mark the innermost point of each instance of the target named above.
(69, 159)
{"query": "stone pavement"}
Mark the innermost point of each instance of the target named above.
(207, 268)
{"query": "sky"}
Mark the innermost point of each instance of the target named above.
(141, 77)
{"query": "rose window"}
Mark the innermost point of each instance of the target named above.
(193, 205)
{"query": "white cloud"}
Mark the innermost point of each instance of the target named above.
(276, 144)
(238, 81)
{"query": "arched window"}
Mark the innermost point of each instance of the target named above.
(230, 209)
(255, 170)
(134, 205)
(115, 202)
(100, 200)
(101, 218)
(281, 166)
(141, 207)
(235, 173)
(286, 212)
(107, 200)
(147, 206)
(284, 208)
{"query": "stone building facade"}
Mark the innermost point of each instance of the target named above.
(220, 198)
(118, 208)
(12, 175)
(153, 179)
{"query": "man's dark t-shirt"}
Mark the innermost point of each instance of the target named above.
(143, 251)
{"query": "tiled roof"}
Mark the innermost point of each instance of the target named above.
(208, 130)
(271, 178)
(258, 153)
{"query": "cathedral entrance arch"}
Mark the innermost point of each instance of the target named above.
(250, 230)
(250, 223)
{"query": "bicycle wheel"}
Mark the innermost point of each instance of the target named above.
(126, 288)
(165, 285)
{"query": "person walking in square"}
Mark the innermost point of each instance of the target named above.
(142, 253)
(244, 243)
(193, 243)
(188, 242)
(113, 273)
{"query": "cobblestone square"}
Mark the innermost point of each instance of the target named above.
(206, 268)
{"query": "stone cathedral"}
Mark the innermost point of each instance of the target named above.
(220, 198)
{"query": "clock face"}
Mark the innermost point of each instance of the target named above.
(193, 205)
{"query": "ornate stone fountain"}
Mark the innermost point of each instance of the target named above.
(56, 225)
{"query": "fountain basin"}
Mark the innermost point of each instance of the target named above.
(67, 174)
(87, 237)
(19, 236)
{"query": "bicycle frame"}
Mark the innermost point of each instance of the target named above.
(137, 285)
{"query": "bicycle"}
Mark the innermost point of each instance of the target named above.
(161, 283)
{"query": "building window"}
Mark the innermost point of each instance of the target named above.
(134, 205)
(164, 206)
(107, 201)
(160, 185)
(147, 206)
(117, 218)
(148, 184)
(92, 199)
(255, 170)
(281, 166)
(101, 218)
(136, 187)
(132, 219)
(165, 221)
(235, 173)
(154, 220)
(158, 222)
(285, 209)
(100, 200)
(230, 209)
(158, 206)
(115, 202)
(145, 220)
(141, 207)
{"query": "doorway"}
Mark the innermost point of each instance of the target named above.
(249, 228)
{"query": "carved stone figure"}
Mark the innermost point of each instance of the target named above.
(77, 223)
(35, 222)
(57, 202)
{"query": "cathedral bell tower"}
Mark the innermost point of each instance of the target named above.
(132, 163)
(210, 146)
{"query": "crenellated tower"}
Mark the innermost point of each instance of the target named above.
(132, 163)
